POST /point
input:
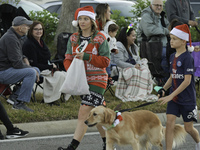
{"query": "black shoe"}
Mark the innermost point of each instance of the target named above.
(68, 148)
(104, 146)
(16, 133)
(1, 136)
(21, 105)
(12, 99)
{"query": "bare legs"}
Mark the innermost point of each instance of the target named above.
(170, 131)
(192, 131)
(81, 127)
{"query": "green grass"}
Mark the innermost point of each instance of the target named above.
(69, 109)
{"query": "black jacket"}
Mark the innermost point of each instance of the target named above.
(38, 55)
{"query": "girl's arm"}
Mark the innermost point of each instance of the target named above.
(183, 85)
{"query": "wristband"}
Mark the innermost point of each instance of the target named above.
(160, 92)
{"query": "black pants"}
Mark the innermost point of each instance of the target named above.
(4, 118)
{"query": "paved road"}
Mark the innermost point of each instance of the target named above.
(91, 141)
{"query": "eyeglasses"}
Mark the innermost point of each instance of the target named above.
(157, 5)
(130, 26)
(36, 29)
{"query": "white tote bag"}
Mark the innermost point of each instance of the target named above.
(76, 82)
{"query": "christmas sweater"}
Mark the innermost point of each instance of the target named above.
(96, 58)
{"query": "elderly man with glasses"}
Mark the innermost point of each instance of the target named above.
(153, 27)
(14, 66)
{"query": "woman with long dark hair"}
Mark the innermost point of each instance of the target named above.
(134, 81)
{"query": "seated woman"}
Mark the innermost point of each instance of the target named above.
(135, 82)
(39, 55)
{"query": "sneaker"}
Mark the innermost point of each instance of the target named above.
(12, 99)
(16, 133)
(68, 148)
(1, 136)
(21, 105)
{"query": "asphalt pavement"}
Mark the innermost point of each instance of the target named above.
(51, 128)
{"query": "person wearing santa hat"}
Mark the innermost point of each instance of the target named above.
(182, 97)
(96, 56)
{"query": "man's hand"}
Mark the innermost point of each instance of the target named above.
(26, 61)
(192, 23)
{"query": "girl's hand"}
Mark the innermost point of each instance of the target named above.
(80, 55)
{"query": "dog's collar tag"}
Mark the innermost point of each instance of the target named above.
(116, 121)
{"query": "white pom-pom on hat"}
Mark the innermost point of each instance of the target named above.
(75, 23)
(190, 48)
(83, 11)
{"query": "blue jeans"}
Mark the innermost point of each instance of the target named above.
(26, 75)
(108, 70)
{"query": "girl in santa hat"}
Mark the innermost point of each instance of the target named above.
(96, 56)
(182, 97)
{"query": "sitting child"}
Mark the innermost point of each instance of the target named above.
(110, 31)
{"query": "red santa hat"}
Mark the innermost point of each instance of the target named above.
(83, 11)
(182, 32)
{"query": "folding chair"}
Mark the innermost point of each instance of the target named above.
(153, 54)
(9, 90)
(5, 90)
(114, 79)
(62, 40)
(37, 84)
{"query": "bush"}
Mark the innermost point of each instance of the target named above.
(138, 7)
(195, 34)
(121, 21)
(50, 22)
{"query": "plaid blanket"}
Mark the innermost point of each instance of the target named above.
(135, 84)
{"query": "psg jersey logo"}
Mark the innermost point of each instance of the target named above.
(178, 63)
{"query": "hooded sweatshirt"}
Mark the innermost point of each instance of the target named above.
(111, 40)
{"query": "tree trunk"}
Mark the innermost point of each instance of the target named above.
(67, 16)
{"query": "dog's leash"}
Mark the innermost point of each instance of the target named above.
(142, 105)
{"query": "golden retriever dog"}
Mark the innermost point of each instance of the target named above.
(141, 129)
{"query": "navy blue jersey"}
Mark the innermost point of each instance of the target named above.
(179, 67)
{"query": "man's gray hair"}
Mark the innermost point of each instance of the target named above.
(152, 1)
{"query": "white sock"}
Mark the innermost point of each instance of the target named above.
(198, 146)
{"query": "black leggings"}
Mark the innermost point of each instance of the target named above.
(4, 118)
